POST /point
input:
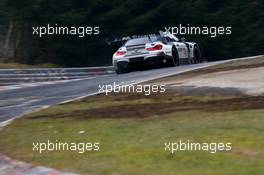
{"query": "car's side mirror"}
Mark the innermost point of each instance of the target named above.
(183, 39)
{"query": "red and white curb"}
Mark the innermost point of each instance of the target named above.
(9, 166)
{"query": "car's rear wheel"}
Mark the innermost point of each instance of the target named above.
(175, 57)
(196, 55)
(121, 67)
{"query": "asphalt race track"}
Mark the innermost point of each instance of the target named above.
(16, 102)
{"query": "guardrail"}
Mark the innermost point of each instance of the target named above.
(17, 76)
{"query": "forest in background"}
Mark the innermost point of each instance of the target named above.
(118, 18)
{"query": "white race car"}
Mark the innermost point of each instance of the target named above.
(163, 48)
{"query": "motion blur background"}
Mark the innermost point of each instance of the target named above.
(118, 18)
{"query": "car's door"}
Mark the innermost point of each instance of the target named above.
(181, 47)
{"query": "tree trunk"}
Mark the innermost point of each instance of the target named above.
(7, 48)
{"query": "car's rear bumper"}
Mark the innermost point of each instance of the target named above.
(133, 61)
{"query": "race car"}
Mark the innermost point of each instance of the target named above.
(162, 48)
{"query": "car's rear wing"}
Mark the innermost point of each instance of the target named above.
(122, 40)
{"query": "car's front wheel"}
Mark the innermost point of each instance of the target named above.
(121, 67)
(175, 57)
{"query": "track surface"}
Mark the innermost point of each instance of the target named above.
(16, 102)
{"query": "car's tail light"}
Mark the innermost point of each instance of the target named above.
(156, 47)
(120, 53)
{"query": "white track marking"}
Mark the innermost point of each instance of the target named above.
(25, 85)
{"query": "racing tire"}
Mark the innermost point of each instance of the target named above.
(196, 55)
(121, 68)
(175, 57)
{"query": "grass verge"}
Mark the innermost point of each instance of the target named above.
(132, 130)
(24, 66)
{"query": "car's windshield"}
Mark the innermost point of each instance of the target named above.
(142, 40)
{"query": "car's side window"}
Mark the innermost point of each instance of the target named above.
(173, 40)
(168, 39)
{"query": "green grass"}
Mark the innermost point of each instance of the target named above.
(23, 66)
(136, 145)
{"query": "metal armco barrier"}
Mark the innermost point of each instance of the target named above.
(17, 76)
